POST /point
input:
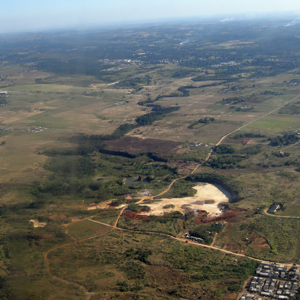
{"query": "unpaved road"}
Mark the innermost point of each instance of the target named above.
(277, 216)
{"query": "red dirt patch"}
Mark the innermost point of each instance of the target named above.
(133, 215)
(226, 216)
(230, 216)
(259, 243)
(232, 247)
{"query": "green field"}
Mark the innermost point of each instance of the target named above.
(277, 124)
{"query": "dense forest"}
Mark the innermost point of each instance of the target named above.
(271, 48)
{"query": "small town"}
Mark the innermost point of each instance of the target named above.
(272, 281)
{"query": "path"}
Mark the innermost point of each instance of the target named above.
(277, 216)
(47, 261)
(215, 237)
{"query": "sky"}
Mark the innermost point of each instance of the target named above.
(36, 15)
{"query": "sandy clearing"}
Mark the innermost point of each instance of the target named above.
(36, 223)
(200, 201)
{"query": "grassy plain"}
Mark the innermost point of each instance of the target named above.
(81, 230)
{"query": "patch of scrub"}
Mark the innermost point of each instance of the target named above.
(208, 198)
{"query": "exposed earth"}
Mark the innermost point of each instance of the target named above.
(208, 198)
(37, 224)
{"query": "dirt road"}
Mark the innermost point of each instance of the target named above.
(281, 217)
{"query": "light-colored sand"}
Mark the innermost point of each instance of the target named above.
(37, 223)
(204, 193)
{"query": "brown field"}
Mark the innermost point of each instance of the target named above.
(135, 145)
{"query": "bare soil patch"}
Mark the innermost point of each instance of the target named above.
(259, 243)
(207, 198)
(36, 223)
(129, 215)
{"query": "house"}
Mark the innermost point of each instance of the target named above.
(274, 207)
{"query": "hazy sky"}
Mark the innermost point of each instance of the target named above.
(27, 15)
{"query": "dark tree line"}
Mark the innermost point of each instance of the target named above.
(286, 139)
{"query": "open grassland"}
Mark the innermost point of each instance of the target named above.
(84, 229)
(120, 265)
(44, 88)
(277, 124)
(257, 238)
(107, 216)
(20, 161)
(61, 110)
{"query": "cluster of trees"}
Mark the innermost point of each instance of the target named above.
(291, 109)
(226, 157)
(135, 207)
(222, 78)
(205, 120)
(236, 100)
(157, 113)
(251, 150)
(247, 135)
(286, 139)
(138, 254)
(224, 149)
(224, 162)
(134, 83)
(206, 232)
(183, 72)
(125, 286)
(3, 100)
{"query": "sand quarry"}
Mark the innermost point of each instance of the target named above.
(207, 198)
